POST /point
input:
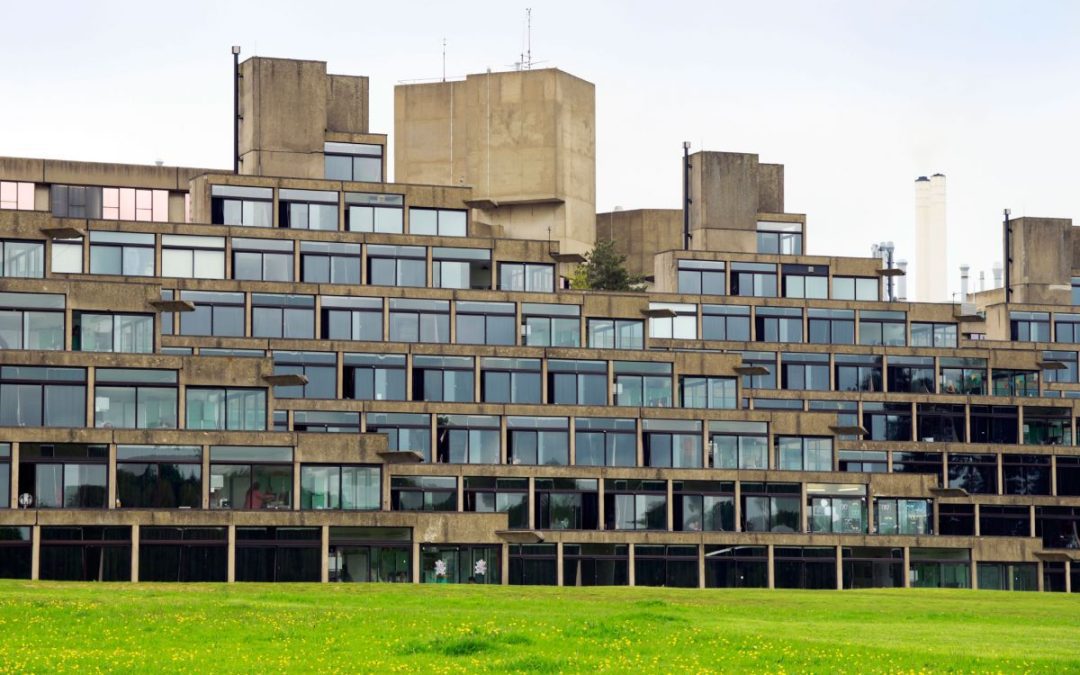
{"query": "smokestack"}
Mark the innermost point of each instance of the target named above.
(964, 283)
(998, 271)
(931, 241)
(982, 280)
(901, 281)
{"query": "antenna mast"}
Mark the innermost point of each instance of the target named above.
(444, 59)
(528, 38)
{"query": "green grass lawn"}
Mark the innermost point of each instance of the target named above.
(442, 628)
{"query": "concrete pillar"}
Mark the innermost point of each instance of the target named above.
(35, 552)
(738, 506)
(978, 527)
(1068, 576)
(974, 569)
(505, 555)
(907, 567)
(772, 570)
(14, 500)
(295, 483)
(558, 563)
(134, 552)
(324, 554)
(532, 502)
(230, 568)
(1053, 475)
(600, 503)
(670, 507)
(415, 562)
(1039, 576)
(839, 568)
(206, 477)
(701, 565)
(1031, 523)
(630, 573)
(111, 501)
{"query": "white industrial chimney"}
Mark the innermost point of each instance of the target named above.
(964, 283)
(901, 281)
(982, 280)
(931, 241)
(998, 272)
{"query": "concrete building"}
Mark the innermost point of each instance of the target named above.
(304, 371)
(931, 240)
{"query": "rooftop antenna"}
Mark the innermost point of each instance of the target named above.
(528, 38)
(444, 59)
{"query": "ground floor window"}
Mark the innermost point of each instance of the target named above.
(940, 568)
(673, 566)
(736, 566)
(873, 567)
(85, 554)
(533, 565)
(370, 554)
(596, 565)
(460, 564)
(15, 552)
(278, 554)
(1000, 576)
(183, 554)
(810, 567)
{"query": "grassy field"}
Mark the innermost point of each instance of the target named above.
(443, 628)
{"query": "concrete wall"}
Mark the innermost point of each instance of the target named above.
(641, 233)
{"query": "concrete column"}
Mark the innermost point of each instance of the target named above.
(738, 506)
(90, 378)
(772, 571)
(977, 526)
(670, 506)
(974, 569)
(532, 502)
(135, 552)
(804, 510)
(415, 562)
(1039, 576)
(325, 554)
(295, 483)
(630, 571)
(1031, 523)
(839, 568)
(35, 552)
(1001, 471)
(13, 502)
(505, 555)
(206, 476)
(600, 502)
(1053, 475)
(1068, 576)
(230, 568)
(571, 434)
(558, 563)
(460, 494)
(701, 565)
(110, 480)
(907, 567)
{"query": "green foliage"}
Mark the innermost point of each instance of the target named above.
(52, 627)
(604, 269)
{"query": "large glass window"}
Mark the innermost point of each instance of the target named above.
(534, 564)
(465, 268)
(159, 476)
(272, 554)
(32, 321)
(191, 257)
(460, 564)
(120, 203)
(550, 325)
(631, 504)
(251, 477)
(368, 212)
(766, 360)
(804, 371)
(857, 372)
(667, 566)
(962, 376)
(64, 475)
(924, 334)
(321, 421)
(404, 432)
(704, 506)
(882, 328)
(217, 314)
(345, 487)
(308, 209)
(756, 280)
(16, 195)
(469, 439)
(779, 237)
(375, 377)
(283, 316)
(600, 441)
(577, 382)
(262, 259)
(803, 453)
(364, 554)
(486, 323)
(423, 493)
(566, 504)
(855, 288)
(130, 398)
(771, 507)
(442, 378)
(911, 374)
(324, 262)
(1047, 426)
(233, 409)
(71, 553)
(419, 320)
(1029, 326)
(831, 326)
(441, 222)
(1025, 474)
(702, 277)
(22, 258)
(131, 333)
(809, 567)
(976, 474)
(736, 566)
(708, 392)
(1009, 382)
(527, 277)
(244, 206)
(940, 423)
(805, 281)
(349, 318)
(616, 334)
(538, 441)
(1059, 367)
(184, 554)
(129, 254)
(903, 516)
(643, 383)
(75, 201)
(1066, 326)
(739, 445)
(40, 396)
(488, 494)
(682, 326)
(778, 324)
(359, 162)
(887, 421)
(725, 322)
(320, 368)
(596, 564)
(672, 443)
(510, 380)
(397, 265)
(837, 508)
(67, 256)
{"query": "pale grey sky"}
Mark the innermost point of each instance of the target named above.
(857, 99)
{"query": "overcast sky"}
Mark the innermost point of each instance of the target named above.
(856, 98)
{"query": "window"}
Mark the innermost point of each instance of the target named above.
(22, 258)
(805, 281)
(1004, 521)
(262, 259)
(962, 376)
(803, 453)
(159, 476)
(682, 326)
(600, 441)
(461, 564)
(442, 378)
(75, 201)
(233, 409)
(809, 567)
(359, 162)
(1029, 326)
(423, 493)
(995, 576)
(804, 371)
(322, 421)
(672, 443)
(977, 474)
(129, 254)
(777, 237)
(1068, 476)
(323, 262)
(244, 206)
(67, 256)
(704, 506)
(218, 314)
(1066, 326)
(419, 320)
(130, 333)
(5, 484)
(135, 204)
(1025, 474)
(903, 516)
(739, 445)
(367, 212)
(486, 323)
(184, 554)
(577, 382)
(281, 554)
(527, 277)
(766, 360)
(283, 316)
(320, 368)
(631, 504)
(1059, 367)
(756, 280)
(488, 494)
(592, 565)
(251, 477)
(40, 396)
(16, 195)
(1008, 382)
(856, 372)
(736, 566)
(352, 318)
(708, 392)
(831, 326)
(847, 414)
(534, 564)
(616, 334)
(725, 322)
(1047, 426)
(538, 441)
(71, 553)
(855, 288)
(374, 377)
(778, 324)
(940, 423)
(911, 374)
(190, 257)
(925, 334)
(510, 380)
(469, 439)
(643, 383)
(887, 421)
(882, 328)
(340, 487)
(129, 398)
(308, 209)
(702, 277)
(441, 222)
(32, 321)
(918, 462)
(1058, 526)
(771, 507)
(404, 431)
(837, 508)
(550, 325)
(863, 461)
(566, 504)
(64, 475)
(397, 265)
(364, 554)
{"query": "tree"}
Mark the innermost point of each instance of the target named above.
(604, 270)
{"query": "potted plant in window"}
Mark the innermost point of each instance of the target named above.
(479, 570)
(440, 571)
